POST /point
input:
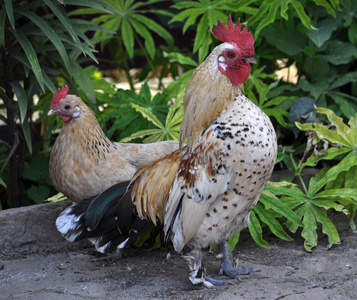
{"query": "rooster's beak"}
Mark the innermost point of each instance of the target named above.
(250, 60)
(52, 111)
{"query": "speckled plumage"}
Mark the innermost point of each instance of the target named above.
(84, 162)
(203, 192)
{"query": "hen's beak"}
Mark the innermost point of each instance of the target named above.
(52, 111)
(250, 60)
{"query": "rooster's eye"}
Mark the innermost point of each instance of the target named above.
(67, 106)
(231, 55)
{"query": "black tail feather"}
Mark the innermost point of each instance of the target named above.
(108, 220)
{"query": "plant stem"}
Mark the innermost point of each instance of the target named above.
(298, 173)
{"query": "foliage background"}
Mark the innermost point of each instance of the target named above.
(46, 43)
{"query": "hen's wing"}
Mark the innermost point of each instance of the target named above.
(203, 175)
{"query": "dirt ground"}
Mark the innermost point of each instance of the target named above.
(36, 263)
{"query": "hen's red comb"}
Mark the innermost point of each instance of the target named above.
(60, 94)
(233, 35)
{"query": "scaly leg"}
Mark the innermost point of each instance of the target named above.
(226, 265)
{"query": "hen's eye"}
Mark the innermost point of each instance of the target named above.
(67, 106)
(231, 55)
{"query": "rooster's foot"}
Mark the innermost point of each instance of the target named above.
(226, 265)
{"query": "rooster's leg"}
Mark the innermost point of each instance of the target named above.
(198, 271)
(226, 265)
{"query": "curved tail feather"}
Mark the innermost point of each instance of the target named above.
(108, 220)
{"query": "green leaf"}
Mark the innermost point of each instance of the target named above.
(180, 58)
(50, 33)
(344, 79)
(335, 193)
(153, 26)
(328, 7)
(324, 133)
(272, 223)
(331, 174)
(270, 18)
(323, 33)
(31, 55)
(233, 241)
(201, 33)
(299, 8)
(149, 41)
(10, 12)
(27, 134)
(275, 204)
(128, 37)
(83, 80)
(2, 27)
(309, 232)
(338, 53)
(148, 115)
(327, 226)
(255, 230)
(290, 42)
(21, 99)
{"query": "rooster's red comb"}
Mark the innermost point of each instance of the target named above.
(233, 35)
(60, 94)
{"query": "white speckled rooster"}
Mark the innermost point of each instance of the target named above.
(204, 192)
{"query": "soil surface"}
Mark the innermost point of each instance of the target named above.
(37, 263)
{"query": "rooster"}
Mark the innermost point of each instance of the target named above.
(204, 192)
(83, 161)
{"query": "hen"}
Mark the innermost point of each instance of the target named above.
(83, 161)
(204, 192)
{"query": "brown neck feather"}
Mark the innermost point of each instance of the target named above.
(208, 93)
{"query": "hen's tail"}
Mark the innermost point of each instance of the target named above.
(108, 220)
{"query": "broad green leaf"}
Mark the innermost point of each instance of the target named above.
(201, 33)
(263, 8)
(31, 55)
(128, 37)
(344, 79)
(341, 127)
(327, 5)
(148, 115)
(192, 16)
(2, 182)
(255, 230)
(300, 211)
(324, 133)
(153, 26)
(290, 42)
(275, 204)
(272, 223)
(338, 53)
(330, 154)
(309, 232)
(323, 33)
(233, 240)
(10, 12)
(270, 18)
(351, 179)
(21, 99)
(327, 226)
(149, 41)
(330, 175)
(347, 107)
(334, 193)
(293, 191)
(180, 58)
(327, 204)
(299, 8)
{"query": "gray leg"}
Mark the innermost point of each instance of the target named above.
(226, 266)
